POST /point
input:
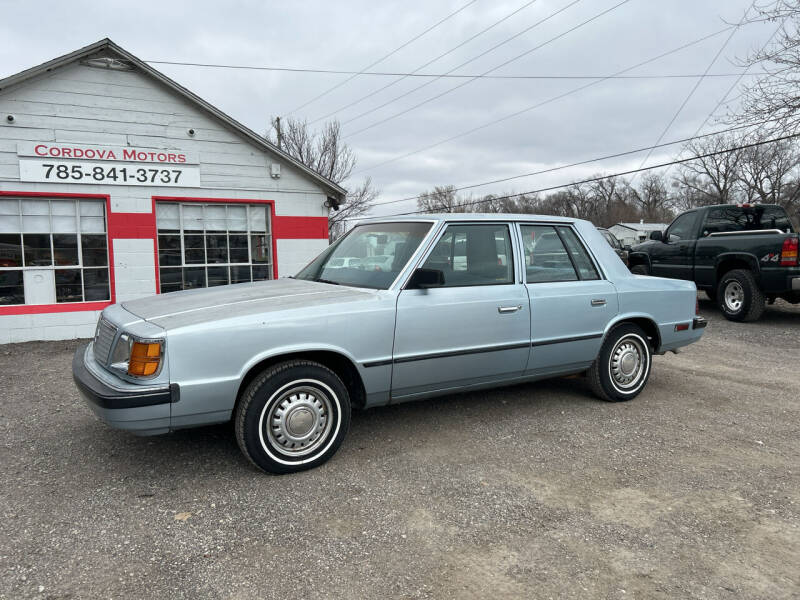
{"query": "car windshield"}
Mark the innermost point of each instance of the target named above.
(370, 256)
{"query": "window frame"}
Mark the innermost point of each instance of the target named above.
(601, 275)
(442, 231)
(269, 206)
(72, 305)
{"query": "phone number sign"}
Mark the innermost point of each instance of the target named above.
(108, 173)
(107, 165)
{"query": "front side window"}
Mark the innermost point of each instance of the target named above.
(369, 256)
(205, 245)
(53, 251)
(471, 255)
(682, 228)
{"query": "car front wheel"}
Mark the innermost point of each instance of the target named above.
(292, 417)
(622, 367)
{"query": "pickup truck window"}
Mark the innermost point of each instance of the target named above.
(683, 228)
(724, 219)
(369, 256)
(473, 255)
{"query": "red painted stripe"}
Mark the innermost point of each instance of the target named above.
(37, 309)
(300, 228)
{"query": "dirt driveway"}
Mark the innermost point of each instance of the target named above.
(536, 491)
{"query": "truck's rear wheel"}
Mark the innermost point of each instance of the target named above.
(739, 297)
(292, 417)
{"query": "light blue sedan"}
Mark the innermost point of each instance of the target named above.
(464, 302)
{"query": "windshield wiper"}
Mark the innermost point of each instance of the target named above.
(320, 280)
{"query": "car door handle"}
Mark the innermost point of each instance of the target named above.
(508, 309)
(599, 302)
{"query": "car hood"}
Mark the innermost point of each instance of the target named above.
(190, 307)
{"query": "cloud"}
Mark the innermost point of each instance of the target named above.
(609, 117)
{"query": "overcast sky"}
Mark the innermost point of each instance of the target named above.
(611, 116)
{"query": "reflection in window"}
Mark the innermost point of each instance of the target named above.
(64, 236)
(206, 245)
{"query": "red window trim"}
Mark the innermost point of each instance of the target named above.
(35, 309)
(272, 219)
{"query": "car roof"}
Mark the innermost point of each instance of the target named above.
(460, 217)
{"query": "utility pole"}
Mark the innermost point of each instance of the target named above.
(278, 130)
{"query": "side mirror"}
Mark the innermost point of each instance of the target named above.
(426, 278)
(627, 247)
(657, 236)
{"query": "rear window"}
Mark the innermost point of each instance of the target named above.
(725, 219)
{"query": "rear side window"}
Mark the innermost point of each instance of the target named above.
(471, 255)
(725, 219)
(546, 257)
(579, 254)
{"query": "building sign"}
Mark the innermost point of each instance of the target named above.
(107, 165)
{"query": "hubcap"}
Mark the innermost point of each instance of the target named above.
(734, 296)
(628, 362)
(299, 420)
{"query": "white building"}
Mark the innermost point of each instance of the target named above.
(635, 233)
(116, 183)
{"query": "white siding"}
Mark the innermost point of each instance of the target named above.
(293, 255)
(82, 104)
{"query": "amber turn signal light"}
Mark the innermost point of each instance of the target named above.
(145, 359)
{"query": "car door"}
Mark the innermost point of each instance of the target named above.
(570, 303)
(471, 329)
(674, 255)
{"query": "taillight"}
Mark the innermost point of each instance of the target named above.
(789, 252)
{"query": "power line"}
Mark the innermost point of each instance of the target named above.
(577, 164)
(543, 102)
(603, 177)
(733, 86)
(698, 82)
(463, 64)
(435, 75)
(430, 62)
(535, 48)
(412, 40)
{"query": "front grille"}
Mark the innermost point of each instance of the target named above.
(103, 341)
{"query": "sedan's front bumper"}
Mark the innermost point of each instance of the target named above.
(144, 412)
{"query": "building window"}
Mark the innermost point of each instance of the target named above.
(205, 245)
(53, 251)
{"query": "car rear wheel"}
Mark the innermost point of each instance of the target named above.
(640, 270)
(292, 417)
(739, 297)
(622, 367)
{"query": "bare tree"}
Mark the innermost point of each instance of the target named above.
(326, 153)
(443, 199)
(652, 199)
(774, 96)
(710, 179)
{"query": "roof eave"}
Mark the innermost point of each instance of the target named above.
(331, 188)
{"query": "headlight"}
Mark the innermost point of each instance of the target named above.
(137, 358)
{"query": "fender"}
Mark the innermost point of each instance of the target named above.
(750, 259)
(652, 331)
(639, 257)
(294, 349)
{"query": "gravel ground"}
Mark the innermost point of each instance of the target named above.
(539, 491)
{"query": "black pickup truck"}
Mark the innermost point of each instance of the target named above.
(741, 255)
